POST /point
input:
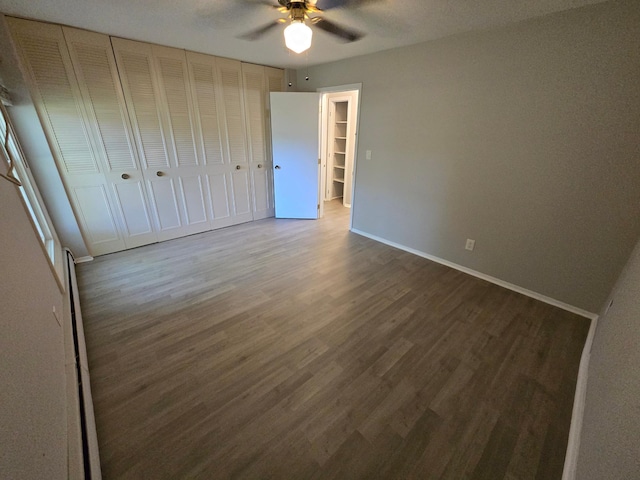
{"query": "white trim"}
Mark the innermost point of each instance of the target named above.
(340, 88)
(488, 278)
(347, 88)
(83, 259)
(31, 198)
(579, 400)
(80, 356)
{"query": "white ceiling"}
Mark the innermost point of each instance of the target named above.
(212, 26)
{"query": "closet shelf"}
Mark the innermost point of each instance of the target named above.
(342, 167)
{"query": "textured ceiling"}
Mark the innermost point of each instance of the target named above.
(212, 26)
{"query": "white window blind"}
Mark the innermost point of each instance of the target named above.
(16, 170)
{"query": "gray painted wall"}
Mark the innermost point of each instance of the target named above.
(36, 148)
(33, 412)
(524, 138)
(610, 441)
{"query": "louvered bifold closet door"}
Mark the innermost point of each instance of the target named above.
(173, 75)
(165, 142)
(230, 86)
(211, 130)
(255, 89)
(47, 66)
(97, 75)
(274, 83)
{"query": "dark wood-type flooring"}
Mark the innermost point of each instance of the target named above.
(294, 349)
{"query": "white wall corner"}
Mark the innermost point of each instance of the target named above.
(577, 415)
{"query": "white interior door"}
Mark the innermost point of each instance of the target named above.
(295, 126)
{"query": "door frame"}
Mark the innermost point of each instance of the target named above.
(324, 138)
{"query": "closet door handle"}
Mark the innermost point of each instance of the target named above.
(259, 165)
(238, 167)
(159, 173)
(124, 176)
(277, 167)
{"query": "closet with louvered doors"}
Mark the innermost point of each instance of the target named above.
(216, 85)
(152, 142)
(78, 100)
(156, 88)
(255, 89)
(274, 82)
(258, 82)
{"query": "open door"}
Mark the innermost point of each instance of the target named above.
(295, 127)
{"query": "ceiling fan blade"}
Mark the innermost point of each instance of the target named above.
(329, 4)
(337, 30)
(221, 16)
(266, 3)
(259, 32)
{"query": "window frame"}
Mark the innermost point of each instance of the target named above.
(31, 198)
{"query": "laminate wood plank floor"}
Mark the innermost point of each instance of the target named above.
(295, 349)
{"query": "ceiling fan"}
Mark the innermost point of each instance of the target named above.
(298, 13)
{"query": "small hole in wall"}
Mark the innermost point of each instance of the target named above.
(306, 78)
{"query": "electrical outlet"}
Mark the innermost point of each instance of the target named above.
(470, 244)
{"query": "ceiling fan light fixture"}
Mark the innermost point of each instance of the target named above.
(297, 36)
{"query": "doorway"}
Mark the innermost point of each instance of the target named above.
(338, 146)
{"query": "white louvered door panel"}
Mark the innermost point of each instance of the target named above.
(211, 131)
(58, 101)
(274, 83)
(155, 149)
(232, 101)
(96, 71)
(255, 88)
(188, 170)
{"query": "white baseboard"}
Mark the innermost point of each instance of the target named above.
(488, 278)
(83, 259)
(573, 445)
(577, 415)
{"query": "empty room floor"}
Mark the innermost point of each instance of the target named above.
(294, 349)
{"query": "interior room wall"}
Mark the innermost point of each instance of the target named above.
(524, 138)
(611, 422)
(34, 143)
(33, 411)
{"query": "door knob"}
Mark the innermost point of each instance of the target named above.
(124, 176)
(277, 167)
(259, 165)
(238, 167)
(160, 174)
